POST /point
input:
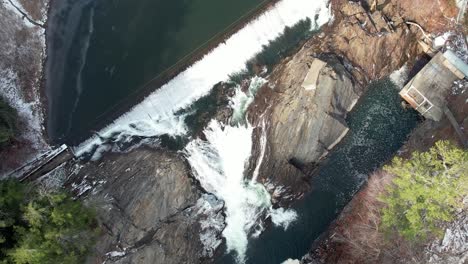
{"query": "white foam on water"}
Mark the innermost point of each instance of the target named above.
(400, 76)
(263, 144)
(155, 115)
(241, 101)
(282, 217)
(291, 261)
(219, 164)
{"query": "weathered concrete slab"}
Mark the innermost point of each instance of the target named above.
(310, 81)
(427, 91)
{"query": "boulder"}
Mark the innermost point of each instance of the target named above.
(301, 112)
(149, 209)
(376, 43)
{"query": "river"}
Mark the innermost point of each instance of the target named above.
(113, 53)
(101, 53)
(378, 128)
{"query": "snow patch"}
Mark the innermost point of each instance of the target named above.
(462, 6)
(54, 179)
(13, 8)
(28, 111)
(209, 208)
(399, 77)
(115, 254)
(441, 40)
(454, 246)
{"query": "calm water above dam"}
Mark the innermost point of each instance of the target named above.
(100, 53)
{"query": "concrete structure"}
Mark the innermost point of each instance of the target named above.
(43, 164)
(310, 81)
(427, 91)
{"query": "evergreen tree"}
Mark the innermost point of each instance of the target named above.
(43, 227)
(426, 192)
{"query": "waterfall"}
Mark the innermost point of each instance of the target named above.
(263, 143)
(241, 101)
(219, 164)
(154, 116)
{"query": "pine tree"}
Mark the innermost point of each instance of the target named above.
(45, 227)
(427, 190)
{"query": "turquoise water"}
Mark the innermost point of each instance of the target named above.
(378, 128)
(101, 53)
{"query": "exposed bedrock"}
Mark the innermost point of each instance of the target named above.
(377, 43)
(149, 208)
(303, 121)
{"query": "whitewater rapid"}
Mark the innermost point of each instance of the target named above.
(219, 163)
(240, 101)
(154, 116)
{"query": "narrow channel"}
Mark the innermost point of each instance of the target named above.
(378, 128)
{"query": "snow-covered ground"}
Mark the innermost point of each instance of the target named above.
(22, 53)
(453, 248)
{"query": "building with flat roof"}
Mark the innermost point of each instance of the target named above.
(427, 91)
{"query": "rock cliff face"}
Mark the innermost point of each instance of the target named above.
(359, 46)
(377, 42)
(301, 123)
(355, 236)
(149, 209)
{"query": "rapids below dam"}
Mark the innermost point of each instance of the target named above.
(379, 126)
(103, 50)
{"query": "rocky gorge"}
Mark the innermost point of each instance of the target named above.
(151, 206)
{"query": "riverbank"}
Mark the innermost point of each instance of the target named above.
(365, 48)
(23, 52)
(375, 45)
(228, 180)
(152, 203)
(355, 237)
